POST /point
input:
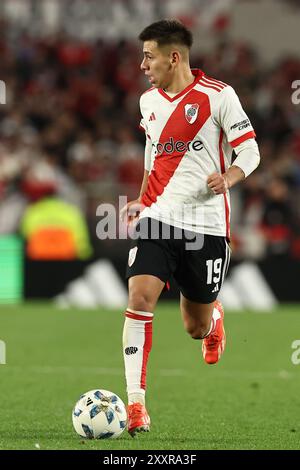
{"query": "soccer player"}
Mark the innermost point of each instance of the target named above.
(192, 123)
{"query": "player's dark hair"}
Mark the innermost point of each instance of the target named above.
(167, 31)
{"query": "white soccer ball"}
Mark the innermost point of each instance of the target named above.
(99, 414)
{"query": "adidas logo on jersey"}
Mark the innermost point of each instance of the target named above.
(152, 117)
(216, 288)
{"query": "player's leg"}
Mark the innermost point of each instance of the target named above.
(205, 321)
(148, 270)
(196, 317)
(144, 291)
(200, 276)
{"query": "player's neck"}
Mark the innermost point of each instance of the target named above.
(182, 79)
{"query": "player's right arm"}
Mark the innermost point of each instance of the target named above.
(133, 208)
(144, 184)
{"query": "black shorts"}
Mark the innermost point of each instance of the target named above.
(197, 262)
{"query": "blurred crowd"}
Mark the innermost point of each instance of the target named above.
(70, 127)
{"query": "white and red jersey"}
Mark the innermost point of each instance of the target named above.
(189, 137)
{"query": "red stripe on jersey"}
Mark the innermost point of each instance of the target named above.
(213, 80)
(209, 82)
(227, 217)
(209, 86)
(222, 164)
(146, 351)
(179, 129)
(135, 316)
(239, 140)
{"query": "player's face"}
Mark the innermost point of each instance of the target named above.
(157, 64)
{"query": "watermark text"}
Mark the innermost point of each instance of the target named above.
(2, 92)
(295, 357)
(296, 94)
(2, 352)
(167, 226)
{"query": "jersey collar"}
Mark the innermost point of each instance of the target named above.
(197, 74)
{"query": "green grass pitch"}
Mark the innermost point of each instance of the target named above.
(250, 400)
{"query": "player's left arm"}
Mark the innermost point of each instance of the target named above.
(234, 122)
(246, 162)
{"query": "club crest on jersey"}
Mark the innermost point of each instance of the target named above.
(132, 255)
(191, 112)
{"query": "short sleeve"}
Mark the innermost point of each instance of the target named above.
(147, 155)
(233, 119)
(143, 126)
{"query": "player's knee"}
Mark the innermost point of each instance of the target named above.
(140, 301)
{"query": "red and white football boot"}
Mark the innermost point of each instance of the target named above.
(213, 345)
(138, 419)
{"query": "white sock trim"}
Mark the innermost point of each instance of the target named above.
(212, 324)
(215, 316)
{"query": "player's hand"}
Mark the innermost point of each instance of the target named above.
(219, 184)
(131, 211)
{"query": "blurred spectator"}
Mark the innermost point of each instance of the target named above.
(277, 218)
(53, 229)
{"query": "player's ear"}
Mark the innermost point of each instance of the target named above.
(175, 57)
